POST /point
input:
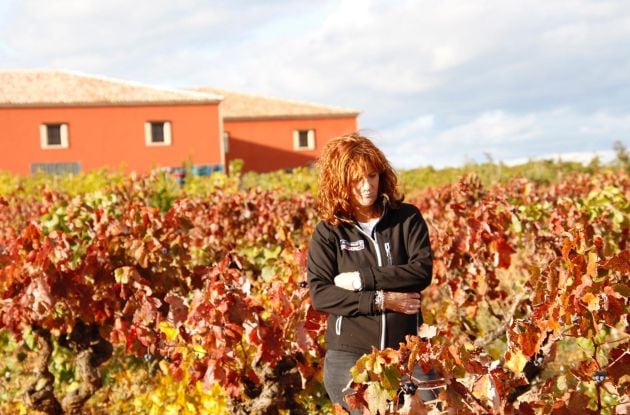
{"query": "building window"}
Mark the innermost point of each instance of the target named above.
(157, 133)
(53, 136)
(304, 139)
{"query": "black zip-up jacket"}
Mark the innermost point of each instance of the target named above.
(396, 257)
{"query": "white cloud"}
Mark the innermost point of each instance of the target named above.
(438, 81)
(417, 126)
(507, 137)
(603, 123)
(492, 128)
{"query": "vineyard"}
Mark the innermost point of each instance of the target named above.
(134, 298)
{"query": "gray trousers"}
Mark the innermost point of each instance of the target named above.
(337, 365)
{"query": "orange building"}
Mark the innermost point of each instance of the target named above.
(60, 121)
(271, 134)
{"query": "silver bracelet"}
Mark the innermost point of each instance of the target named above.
(379, 300)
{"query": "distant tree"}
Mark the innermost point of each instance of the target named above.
(623, 156)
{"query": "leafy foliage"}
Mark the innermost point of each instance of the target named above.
(203, 285)
(522, 272)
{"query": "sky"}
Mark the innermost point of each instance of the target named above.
(438, 82)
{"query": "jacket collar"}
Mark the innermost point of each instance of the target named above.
(384, 200)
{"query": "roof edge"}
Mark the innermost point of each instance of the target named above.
(200, 94)
(178, 95)
(341, 110)
(108, 104)
(291, 117)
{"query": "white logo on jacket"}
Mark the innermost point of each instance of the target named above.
(352, 245)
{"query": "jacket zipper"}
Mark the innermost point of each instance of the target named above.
(388, 252)
(379, 261)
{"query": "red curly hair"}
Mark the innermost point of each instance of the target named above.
(345, 160)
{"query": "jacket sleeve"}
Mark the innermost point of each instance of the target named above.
(321, 270)
(416, 274)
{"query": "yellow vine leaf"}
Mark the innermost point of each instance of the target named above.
(515, 360)
(591, 301)
(377, 398)
(168, 330)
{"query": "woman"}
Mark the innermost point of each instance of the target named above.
(368, 259)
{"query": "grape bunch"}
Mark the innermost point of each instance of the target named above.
(599, 376)
(409, 387)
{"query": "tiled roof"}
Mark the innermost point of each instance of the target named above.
(239, 106)
(41, 87)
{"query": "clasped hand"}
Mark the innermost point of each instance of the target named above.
(406, 303)
(344, 280)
